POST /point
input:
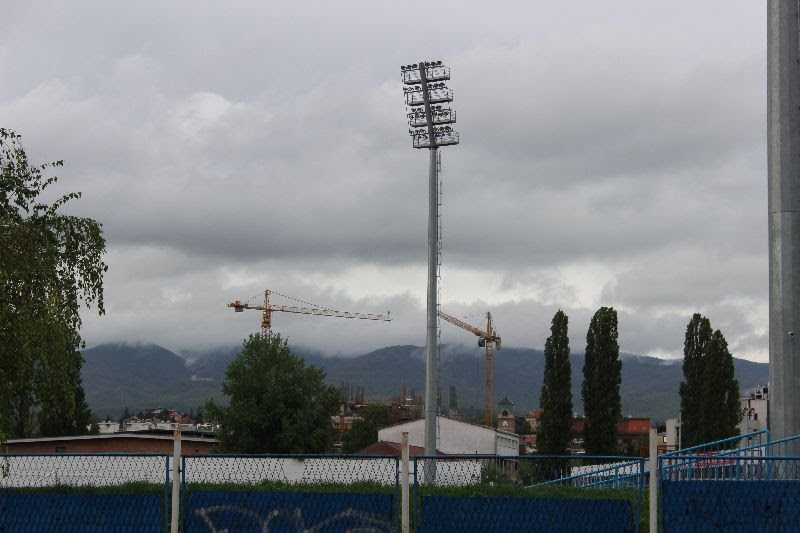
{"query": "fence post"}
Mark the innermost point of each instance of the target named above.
(176, 486)
(404, 484)
(653, 481)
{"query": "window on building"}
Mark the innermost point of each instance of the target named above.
(61, 449)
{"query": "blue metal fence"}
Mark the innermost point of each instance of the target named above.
(84, 492)
(290, 493)
(527, 493)
(744, 483)
(747, 483)
(730, 493)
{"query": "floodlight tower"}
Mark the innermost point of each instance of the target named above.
(425, 91)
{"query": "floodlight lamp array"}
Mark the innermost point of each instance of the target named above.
(442, 137)
(425, 87)
(439, 116)
(434, 71)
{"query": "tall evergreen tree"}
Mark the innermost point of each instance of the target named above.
(695, 347)
(710, 392)
(556, 394)
(719, 413)
(602, 377)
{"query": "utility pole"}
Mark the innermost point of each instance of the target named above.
(783, 125)
(424, 88)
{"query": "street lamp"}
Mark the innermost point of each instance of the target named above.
(430, 122)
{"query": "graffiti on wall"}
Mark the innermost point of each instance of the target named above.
(265, 512)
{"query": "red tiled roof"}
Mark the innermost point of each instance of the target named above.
(384, 447)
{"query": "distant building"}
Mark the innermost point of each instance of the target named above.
(633, 433)
(629, 432)
(754, 410)
(671, 438)
(108, 426)
(455, 437)
(534, 419)
(505, 417)
(117, 443)
(392, 448)
(407, 406)
(528, 444)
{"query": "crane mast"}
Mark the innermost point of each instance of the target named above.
(486, 339)
(267, 309)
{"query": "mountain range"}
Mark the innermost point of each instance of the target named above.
(140, 376)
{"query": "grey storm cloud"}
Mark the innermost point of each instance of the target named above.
(612, 154)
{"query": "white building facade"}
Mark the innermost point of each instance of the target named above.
(754, 410)
(454, 437)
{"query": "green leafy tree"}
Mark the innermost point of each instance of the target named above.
(56, 420)
(602, 377)
(50, 266)
(710, 392)
(277, 404)
(556, 395)
(364, 432)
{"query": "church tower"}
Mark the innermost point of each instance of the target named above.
(505, 417)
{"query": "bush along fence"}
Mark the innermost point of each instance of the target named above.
(743, 484)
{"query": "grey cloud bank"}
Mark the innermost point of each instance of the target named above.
(611, 154)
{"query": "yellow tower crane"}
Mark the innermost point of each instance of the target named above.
(267, 309)
(485, 339)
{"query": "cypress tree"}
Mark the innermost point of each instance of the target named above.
(602, 377)
(695, 346)
(719, 412)
(556, 395)
(710, 392)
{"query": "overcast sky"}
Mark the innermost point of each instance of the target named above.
(612, 154)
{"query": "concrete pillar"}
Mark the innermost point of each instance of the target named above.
(783, 87)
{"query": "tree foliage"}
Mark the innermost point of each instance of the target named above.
(556, 394)
(710, 392)
(602, 377)
(695, 346)
(277, 404)
(50, 266)
(364, 432)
